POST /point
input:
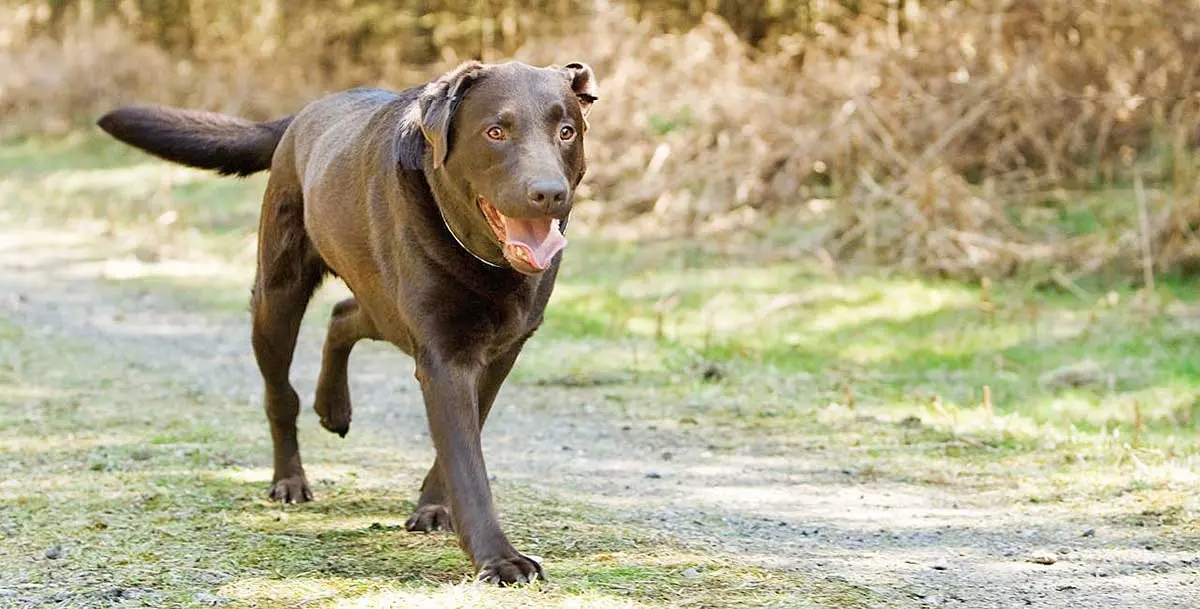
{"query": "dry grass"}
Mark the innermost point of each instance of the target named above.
(960, 145)
(956, 148)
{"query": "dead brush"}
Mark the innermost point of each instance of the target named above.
(949, 146)
(940, 148)
(998, 109)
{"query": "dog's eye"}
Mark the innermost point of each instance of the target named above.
(496, 133)
(567, 133)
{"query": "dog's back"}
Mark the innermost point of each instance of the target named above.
(331, 135)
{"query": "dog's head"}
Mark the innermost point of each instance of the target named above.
(510, 137)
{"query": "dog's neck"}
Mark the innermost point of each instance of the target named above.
(464, 220)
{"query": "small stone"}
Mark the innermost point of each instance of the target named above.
(6, 593)
(653, 475)
(1089, 532)
(146, 254)
(212, 600)
(691, 573)
(54, 552)
(712, 372)
(124, 593)
(1080, 374)
(937, 566)
(1042, 558)
(668, 455)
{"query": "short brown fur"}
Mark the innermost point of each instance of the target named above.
(381, 189)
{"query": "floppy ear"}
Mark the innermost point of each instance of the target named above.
(583, 83)
(438, 103)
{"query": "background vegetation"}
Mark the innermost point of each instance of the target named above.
(968, 138)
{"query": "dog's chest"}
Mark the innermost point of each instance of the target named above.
(484, 323)
(512, 323)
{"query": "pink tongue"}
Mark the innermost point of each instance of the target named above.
(538, 240)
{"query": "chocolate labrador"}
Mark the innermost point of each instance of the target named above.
(442, 207)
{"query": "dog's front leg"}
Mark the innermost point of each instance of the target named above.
(451, 404)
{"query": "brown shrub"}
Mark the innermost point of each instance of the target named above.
(955, 144)
(954, 147)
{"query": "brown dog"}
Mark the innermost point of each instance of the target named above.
(442, 208)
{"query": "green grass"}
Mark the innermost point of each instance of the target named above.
(891, 341)
(885, 371)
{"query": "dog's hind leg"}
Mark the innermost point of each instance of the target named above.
(348, 325)
(289, 270)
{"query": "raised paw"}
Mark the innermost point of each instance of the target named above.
(332, 404)
(511, 570)
(293, 489)
(429, 518)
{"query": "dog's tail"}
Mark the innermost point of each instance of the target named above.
(228, 144)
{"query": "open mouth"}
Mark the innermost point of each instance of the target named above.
(529, 243)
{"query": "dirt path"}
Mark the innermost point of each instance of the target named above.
(779, 504)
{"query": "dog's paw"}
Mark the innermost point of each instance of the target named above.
(333, 407)
(339, 425)
(511, 570)
(429, 518)
(293, 489)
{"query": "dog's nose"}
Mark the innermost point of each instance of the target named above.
(548, 194)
